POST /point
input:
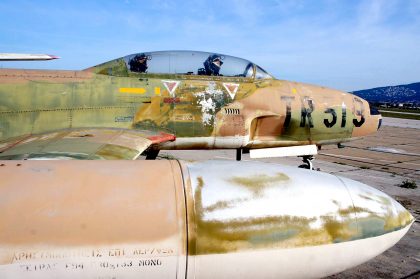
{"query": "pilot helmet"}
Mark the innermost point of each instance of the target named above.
(141, 56)
(213, 64)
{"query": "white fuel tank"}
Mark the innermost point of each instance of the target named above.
(169, 219)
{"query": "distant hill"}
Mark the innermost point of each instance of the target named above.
(407, 93)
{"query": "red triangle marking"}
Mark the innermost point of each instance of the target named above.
(171, 85)
(231, 87)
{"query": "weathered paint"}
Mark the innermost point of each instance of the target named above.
(91, 219)
(302, 262)
(290, 221)
(253, 209)
(269, 112)
(166, 219)
(84, 144)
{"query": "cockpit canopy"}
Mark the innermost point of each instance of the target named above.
(182, 63)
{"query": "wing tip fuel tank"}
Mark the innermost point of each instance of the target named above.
(276, 221)
(213, 219)
(26, 57)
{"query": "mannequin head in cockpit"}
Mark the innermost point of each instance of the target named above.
(139, 63)
(212, 65)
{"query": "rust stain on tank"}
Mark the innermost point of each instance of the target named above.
(214, 235)
(257, 183)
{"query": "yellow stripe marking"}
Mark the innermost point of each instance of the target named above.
(157, 90)
(132, 90)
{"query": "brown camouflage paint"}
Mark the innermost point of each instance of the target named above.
(268, 112)
(69, 205)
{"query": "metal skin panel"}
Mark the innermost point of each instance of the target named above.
(260, 220)
(165, 219)
(202, 112)
(87, 219)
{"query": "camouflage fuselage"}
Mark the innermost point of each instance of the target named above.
(203, 112)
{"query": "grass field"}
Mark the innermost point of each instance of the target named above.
(398, 114)
(401, 110)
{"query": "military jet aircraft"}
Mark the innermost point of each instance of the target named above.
(171, 219)
(152, 101)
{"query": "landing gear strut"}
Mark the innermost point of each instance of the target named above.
(152, 154)
(238, 154)
(307, 162)
(240, 151)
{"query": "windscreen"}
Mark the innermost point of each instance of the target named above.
(189, 63)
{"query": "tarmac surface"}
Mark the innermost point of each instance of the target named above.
(383, 161)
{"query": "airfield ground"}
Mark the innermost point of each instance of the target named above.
(384, 161)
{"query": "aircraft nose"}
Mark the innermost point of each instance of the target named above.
(368, 123)
(374, 112)
(377, 213)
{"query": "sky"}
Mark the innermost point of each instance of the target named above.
(343, 44)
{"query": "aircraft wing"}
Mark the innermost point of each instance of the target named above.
(26, 57)
(90, 144)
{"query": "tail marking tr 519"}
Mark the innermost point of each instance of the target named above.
(169, 100)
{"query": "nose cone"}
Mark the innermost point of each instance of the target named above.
(377, 214)
(296, 223)
(365, 121)
(376, 116)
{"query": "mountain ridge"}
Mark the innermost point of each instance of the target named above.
(404, 93)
